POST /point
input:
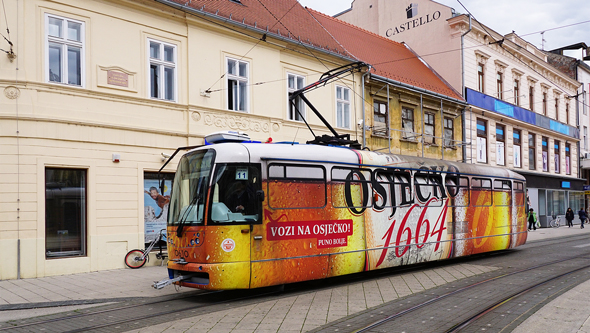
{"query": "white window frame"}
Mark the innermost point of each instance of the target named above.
(64, 42)
(292, 114)
(163, 65)
(343, 102)
(239, 79)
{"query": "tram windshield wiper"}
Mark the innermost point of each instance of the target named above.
(195, 202)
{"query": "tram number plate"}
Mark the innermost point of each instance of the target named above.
(242, 174)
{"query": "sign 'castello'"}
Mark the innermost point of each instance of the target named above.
(413, 21)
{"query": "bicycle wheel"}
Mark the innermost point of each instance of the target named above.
(133, 259)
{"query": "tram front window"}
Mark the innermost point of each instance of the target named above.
(190, 188)
(236, 194)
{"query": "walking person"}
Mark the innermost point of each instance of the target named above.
(569, 217)
(583, 216)
(532, 218)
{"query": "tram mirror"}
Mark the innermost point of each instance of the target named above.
(260, 195)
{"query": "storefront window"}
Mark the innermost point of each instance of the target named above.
(542, 203)
(558, 207)
(155, 205)
(65, 212)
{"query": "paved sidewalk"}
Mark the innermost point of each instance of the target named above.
(32, 297)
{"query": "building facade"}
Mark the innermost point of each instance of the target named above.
(573, 60)
(522, 114)
(99, 93)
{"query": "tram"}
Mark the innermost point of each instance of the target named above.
(249, 215)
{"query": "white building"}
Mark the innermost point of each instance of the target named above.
(523, 112)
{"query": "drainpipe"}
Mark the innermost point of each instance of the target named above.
(463, 58)
(464, 149)
(363, 88)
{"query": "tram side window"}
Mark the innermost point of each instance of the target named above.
(295, 186)
(502, 192)
(481, 192)
(519, 196)
(350, 188)
(429, 186)
(458, 189)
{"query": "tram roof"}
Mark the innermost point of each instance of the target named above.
(309, 153)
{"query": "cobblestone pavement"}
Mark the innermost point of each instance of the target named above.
(27, 298)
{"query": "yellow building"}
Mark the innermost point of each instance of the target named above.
(98, 93)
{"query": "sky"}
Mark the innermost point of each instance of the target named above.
(525, 17)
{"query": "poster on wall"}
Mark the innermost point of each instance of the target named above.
(481, 150)
(517, 156)
(545, 161)
(155, 210)
(500, 153)
(556, 156)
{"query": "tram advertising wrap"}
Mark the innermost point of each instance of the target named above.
(350, 212)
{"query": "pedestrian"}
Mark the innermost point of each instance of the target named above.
(569, 217)
(582, 214)
(532, 218)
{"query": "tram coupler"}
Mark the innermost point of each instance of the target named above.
(166, 282)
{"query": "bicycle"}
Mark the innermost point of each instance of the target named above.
(556, 222)
(137, 258)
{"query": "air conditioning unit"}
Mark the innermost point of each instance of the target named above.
(586, 156)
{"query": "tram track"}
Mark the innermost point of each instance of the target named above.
(378, 325)
(126, 315)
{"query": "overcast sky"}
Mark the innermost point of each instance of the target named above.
(503, 16)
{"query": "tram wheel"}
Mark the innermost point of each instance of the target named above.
(133, 259)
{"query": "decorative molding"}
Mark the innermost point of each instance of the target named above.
(481, 57)
(500, 65)
(11, 92)
(517, 73)
(233, 122)
(531, 80)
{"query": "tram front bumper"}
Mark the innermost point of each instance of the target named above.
(234, 275)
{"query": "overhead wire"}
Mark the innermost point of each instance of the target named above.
(560, 27)
(508, 51)
(256, 44)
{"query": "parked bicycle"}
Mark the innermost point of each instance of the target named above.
(555, 222)
(137, 258)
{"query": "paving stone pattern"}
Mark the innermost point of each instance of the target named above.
(309, 311)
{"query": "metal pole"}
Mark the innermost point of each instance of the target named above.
(422, 111)
(388, 121)
(442, 131)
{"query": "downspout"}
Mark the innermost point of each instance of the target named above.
(464, 147)
(363, 88)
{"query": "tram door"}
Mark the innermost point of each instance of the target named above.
(284, 247)
(235, 210)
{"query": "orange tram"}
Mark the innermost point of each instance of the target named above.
(250, 215)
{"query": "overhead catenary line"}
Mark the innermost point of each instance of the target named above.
(252, 48)
(513, 55)
(560, 27)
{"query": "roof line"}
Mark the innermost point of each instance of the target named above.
(329, 33)
(228, 20)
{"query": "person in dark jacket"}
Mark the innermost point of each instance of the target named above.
(569, 217)
(532, 218)
(583, 216)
